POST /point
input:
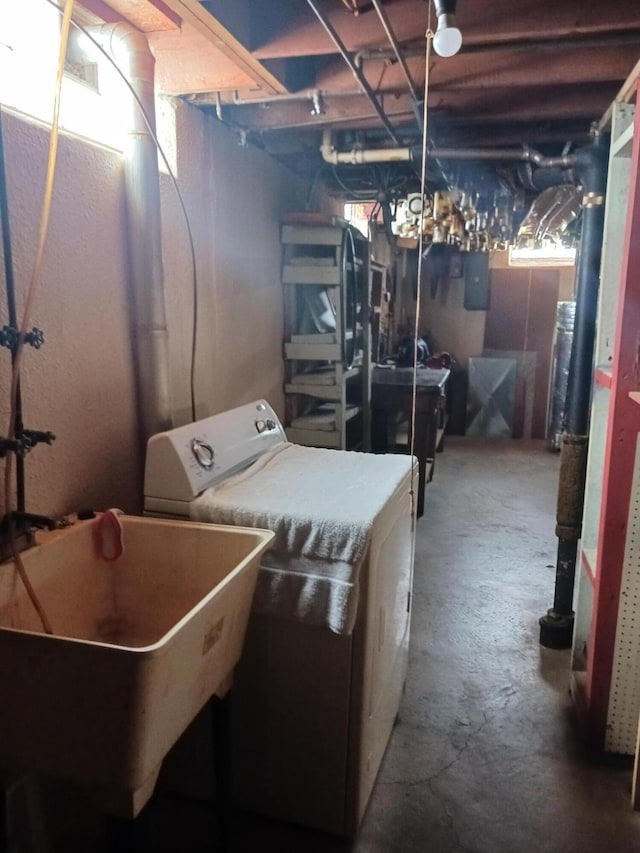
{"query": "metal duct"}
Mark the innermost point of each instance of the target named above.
(130, 49)
(549, 216)
(562, 341)
(542, 179)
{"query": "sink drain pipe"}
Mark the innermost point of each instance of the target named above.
(130, 49)
(590, 163)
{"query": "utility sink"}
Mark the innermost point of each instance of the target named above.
(139, 645)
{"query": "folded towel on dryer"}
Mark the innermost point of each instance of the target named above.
(322, 505)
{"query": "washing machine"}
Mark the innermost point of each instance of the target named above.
(319, 685)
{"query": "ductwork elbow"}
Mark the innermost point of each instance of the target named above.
(329, 153)
(130, 49)
(359, 156)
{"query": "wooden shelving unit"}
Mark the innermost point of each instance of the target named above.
(606, 652)
(326, 274)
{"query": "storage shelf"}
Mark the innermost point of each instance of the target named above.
(621, 147)
(313, 352)
(606, 640)
(313, 256)
(322, 420)
(299, 274)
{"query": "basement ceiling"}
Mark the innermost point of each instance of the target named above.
(535, 72)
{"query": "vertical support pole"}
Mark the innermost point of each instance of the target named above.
(556, 626)
(123, 834)
(221, 731)
(4, 820)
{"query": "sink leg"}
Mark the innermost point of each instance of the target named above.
(4, 822)
(221, 767)
(123, 834)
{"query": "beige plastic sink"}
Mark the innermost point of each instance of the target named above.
(139, 646)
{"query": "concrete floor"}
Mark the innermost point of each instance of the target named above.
(485, 756)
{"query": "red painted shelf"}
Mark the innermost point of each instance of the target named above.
(603, 376)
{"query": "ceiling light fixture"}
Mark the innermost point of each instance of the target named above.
(448, 38)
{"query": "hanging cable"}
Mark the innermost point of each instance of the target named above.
(423, 180)
(174, 181)
(12, 314)
(32, 292)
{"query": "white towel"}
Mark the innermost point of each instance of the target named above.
(322, 505)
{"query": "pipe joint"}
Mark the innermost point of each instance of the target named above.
(590, 163)
(127, 45)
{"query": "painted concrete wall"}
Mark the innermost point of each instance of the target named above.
(80, 384)
(461, 332)
(448, 324)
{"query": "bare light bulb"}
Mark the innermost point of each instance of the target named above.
(448, 39)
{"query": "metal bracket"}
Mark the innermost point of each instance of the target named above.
(10, 336)
(25, 442)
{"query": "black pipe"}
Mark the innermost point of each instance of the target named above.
(556, 626)
(591, 167)
(445, 7)
(397, 50)
(357, 73)
(542, 179)
(11, 311)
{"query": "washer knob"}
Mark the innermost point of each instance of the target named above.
(204, 453)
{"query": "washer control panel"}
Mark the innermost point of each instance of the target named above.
(183, 462)
(266, 425)
(204, 453)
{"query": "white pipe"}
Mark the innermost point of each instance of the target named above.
(357, 156)
(131, 52)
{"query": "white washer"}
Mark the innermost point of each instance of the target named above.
(312, 708)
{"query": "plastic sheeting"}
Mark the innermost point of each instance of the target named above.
(561, 355)
(491, 396)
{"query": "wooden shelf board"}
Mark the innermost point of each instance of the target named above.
(621, 147)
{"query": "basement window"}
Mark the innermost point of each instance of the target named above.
(543, 256)
(92, 93)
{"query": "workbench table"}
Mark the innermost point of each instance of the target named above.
(391, 396)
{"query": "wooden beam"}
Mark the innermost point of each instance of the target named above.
(195, 15)
(146, 15)
(480, 23)
(484, 71)
(187, 63)
(626, 94)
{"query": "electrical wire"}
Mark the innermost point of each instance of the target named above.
(34, 285)
(32, 292)
(12, 314)
(423, 180)
(174, 181)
